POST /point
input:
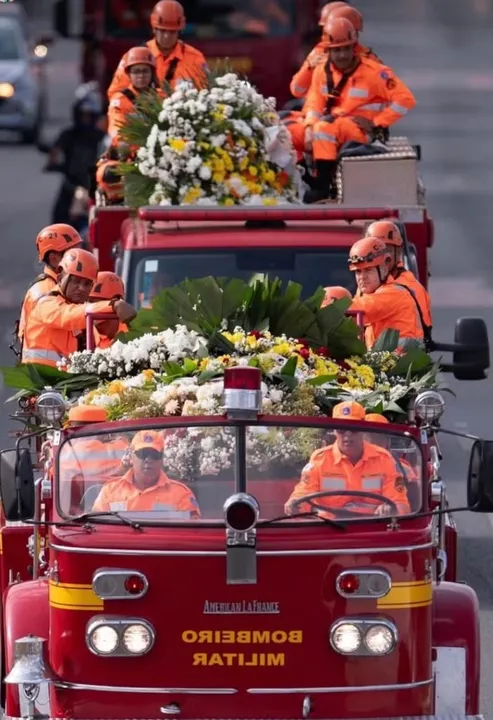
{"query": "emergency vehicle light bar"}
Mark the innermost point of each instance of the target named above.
(237, 214)
(242, 390)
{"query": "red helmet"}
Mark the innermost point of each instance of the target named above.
(56, 238)
(168, 15)
(387, 231)
(80, 263)
(339, 32)
(367, 253)
(108, 285)
(348, 12)
(139, 56)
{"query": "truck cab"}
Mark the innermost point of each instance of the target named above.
(213, 610)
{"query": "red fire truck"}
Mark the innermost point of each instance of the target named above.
(243, 612)
(246, 33)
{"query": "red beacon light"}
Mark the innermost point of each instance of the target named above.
(241, 512)
(135, 584)
(348, 584)
(242, 391)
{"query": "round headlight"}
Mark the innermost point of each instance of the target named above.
(429, 406)
(51, 407)
(346, 638)
(103, 639)
(379, 639)
(137, 639)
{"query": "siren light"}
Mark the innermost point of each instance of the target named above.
(242, 390)
(241, 512)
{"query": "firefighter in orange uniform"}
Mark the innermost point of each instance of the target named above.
(349, 464)
(175, 60)
(388, 231)
(354, 99)
(146, 487)
(386, 305)
(57, 323)
(335, 292)
(301, 81)
(52, 242)
(406, 473)
(108, 286)
(140, 66)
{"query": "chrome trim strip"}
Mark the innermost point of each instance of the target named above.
(145, 690)
(222, 553)
(331, 690)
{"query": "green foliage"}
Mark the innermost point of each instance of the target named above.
(209, 305)
(31, 379)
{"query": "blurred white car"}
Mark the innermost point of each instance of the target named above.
(23, 100)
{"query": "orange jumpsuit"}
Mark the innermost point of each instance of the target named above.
(183, 63)
(409, 279)
(41, 286)
(372, 92)
(300, 82)
(53, 326)
(390, 307)
(330, 470)
(122, 104)
(166, 495)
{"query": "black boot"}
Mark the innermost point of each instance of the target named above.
(324, 185)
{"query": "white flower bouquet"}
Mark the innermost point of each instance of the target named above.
(221, 145)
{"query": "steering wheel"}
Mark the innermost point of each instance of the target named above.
(340, 512)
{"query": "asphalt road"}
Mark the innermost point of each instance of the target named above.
(443, 50)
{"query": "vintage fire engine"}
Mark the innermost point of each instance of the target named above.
(252, 609)
(307, 244)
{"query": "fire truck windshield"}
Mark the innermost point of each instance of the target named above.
(152, 271)
(206, 19)
(185, 474)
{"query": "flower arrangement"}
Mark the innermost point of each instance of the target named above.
(219, 145)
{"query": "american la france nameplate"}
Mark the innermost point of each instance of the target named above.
(243, 607)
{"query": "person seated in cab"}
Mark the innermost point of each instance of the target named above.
(301, 80)
(140, 66)
(108, 286)
(351, 99)
(352, 464)
(386, 304)
(407, 476)
(146, 487)
(88, 461)
(175, 60)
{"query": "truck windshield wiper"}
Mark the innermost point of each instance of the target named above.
(102, 514)
(333, 523)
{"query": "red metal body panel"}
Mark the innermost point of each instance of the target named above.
(105, 231)
(456, 624)
(451, 550)
(16, 560)
(177, 607)
(25, 610)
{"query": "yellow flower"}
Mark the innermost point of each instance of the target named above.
(283, 348)
(269, 201)
(192, 196)
(224, 359)
(228, 202)
(241, 143)
(234, 337)
(251, 341)
(366, 376)
(253, 171)
(148, 375)
(177, 145)
(218, 177)
(115, 388)
(243, 164)
(269, 176)
(203, 364)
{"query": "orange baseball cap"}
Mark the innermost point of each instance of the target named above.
(148, 439)
(377, 418)
(349, 411)
(87, 414)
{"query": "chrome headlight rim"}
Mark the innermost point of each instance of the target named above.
(120, 626)
(364, 625)
(422, 408)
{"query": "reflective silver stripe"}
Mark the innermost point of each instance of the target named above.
(377, 107)
(324, 89)
(85, 455)
(398, 108)
(324, 136)
(333, 483)
(34, 355)
(362, 505)
(300, 89)
(358, 92)
(313, 114)
(34, 293)
(372, 483)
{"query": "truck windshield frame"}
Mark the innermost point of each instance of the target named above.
(272, 484)
(311, 267)
(244, 21)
